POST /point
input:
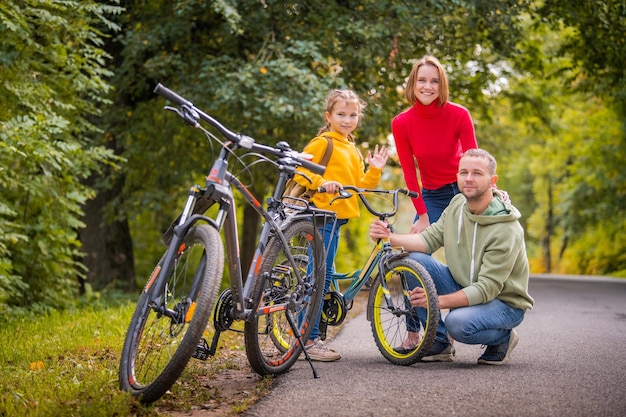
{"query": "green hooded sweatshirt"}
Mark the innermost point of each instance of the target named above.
(485, 253)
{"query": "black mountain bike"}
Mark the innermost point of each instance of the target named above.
(177, 315)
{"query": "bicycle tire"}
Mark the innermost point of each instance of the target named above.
(157, 347)
(271, 345)
(389, 323)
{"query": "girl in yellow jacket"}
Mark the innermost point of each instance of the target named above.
(343, 114)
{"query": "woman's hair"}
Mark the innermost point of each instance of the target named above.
(444, 92)
(347, 96)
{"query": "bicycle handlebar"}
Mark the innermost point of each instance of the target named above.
(191, 114)
(345, 193)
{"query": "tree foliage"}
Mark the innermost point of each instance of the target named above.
(547, 96)
(563, 107)
(597, 44)
(53, 77)
(265, 67)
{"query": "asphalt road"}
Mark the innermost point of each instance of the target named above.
(570, 361)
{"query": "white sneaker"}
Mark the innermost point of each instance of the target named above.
(318, 351)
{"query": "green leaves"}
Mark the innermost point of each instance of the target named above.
(76, 81)
(52, 79)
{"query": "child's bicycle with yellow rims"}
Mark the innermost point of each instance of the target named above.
(387, 272)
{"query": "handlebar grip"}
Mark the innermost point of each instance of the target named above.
(312, 166)
(412, 194)
(342, 193)
(170, 95)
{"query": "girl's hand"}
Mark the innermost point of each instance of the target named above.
(379, 158)
(332, 187)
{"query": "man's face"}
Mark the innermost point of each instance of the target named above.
(473, 177)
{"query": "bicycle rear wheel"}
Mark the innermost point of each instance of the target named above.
(388, 307)
(158, 346)
(271, 344)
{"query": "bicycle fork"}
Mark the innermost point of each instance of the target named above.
(383, 270)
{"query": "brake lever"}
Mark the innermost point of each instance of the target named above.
(189, 116)
(342, 194)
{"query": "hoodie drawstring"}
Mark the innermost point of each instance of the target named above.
(458, 241)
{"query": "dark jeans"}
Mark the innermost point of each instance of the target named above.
(437, 200)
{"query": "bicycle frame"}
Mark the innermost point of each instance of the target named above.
(219, 190)
(359, 277)
(381, 253)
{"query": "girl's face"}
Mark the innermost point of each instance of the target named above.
(344, 118)
(427, 84)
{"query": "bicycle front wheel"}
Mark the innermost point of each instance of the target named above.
(163, 335)
(389, 309)
(271, 343)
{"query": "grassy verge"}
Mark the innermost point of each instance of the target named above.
(66, 363)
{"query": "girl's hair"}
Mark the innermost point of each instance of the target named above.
(444, 92)
(347, 96)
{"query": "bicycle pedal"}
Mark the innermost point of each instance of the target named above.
(202, 350)
(282, 269)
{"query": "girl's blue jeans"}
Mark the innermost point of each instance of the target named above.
(483, 324)
(331, 242)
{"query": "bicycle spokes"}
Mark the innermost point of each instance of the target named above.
(393, 319)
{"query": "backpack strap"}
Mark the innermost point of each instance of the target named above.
(324, 161)
(327, 152)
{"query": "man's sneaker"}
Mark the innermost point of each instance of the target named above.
(318, 351)
(440, 352)
(499, 354)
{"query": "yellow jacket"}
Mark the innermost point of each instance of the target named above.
(345, 166)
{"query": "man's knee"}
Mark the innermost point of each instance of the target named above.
(457, 325)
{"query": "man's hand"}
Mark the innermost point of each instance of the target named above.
(418, 297)
(453, 300)
(379, 230)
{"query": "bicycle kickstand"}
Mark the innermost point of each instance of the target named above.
(294, 327)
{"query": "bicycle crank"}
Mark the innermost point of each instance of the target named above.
(334, 310)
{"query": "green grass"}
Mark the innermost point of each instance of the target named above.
(66, 363)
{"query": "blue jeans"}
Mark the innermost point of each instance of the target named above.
(482, 324)
(331, 242)
(437, 200)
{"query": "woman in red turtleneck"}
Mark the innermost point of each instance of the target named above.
(434, 132)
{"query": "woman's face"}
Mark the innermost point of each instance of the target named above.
(427, 84)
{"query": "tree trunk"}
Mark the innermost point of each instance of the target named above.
(249, 236)
(108, 246)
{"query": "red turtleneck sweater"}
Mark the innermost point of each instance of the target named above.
(434, 137)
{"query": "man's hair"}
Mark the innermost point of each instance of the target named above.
(481, 153)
